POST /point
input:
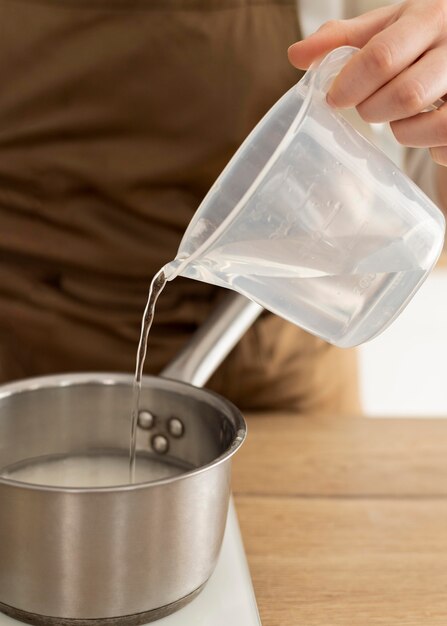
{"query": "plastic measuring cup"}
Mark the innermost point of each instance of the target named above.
(313, 222)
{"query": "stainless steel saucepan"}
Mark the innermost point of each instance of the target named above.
(129, 554)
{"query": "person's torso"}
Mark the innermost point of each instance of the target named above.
(117, 116)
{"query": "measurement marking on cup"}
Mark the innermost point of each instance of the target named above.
(364, 283)
(318, 234)
(361, 231)
(333, 214)
(285, 175)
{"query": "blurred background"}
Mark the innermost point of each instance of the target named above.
(402, 371)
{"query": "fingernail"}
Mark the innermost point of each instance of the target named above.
(330, 101)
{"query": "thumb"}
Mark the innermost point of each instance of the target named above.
(355, 32)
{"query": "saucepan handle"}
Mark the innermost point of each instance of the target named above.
(214, 340)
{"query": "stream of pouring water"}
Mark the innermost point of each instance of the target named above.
(157, 285)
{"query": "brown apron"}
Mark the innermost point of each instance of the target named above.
(115, 118)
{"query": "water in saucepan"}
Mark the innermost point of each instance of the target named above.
(97, 469)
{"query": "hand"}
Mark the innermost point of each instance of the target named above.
(400, 70)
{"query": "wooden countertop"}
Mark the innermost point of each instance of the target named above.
(345, 520)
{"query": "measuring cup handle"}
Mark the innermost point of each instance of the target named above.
(326, 70)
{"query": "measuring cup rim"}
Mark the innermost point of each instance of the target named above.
(112, 378)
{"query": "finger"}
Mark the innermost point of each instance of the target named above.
(354, 32)
(387, 54)
(424, 130)
(439, 155)
(411, 91)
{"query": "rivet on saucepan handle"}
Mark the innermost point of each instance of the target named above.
(160, 444)
(146, 420)
(176, 427)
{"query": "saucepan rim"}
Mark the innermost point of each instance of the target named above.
(112, 378)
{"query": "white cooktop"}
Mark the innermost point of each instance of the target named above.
(228, 598)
